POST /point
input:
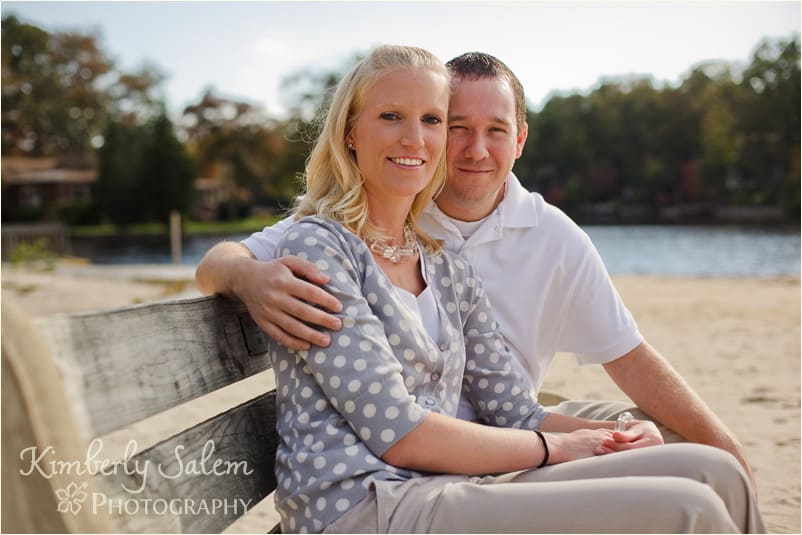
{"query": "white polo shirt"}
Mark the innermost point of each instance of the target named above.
(547, 283)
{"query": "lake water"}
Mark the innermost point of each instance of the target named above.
(696, 251)
(653, 250)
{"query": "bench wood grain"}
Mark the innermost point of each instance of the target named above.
(70, 379)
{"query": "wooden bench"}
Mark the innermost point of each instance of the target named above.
(75, 387)
(83, 384)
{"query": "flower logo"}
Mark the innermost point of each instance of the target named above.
(72, 498)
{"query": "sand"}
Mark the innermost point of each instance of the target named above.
(736, 341)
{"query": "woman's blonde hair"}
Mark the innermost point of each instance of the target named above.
(333, 180)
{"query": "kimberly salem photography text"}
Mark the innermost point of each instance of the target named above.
(45, 463)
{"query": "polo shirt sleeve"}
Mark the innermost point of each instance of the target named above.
(595, 324)
(262, 244)
(358, 373)
(501, 394)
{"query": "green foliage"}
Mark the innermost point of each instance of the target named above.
(166, 173)
(51, 100)
(144, 173)
(118, 190)
(110, 230)
(34, 251)
(190, 227)
(726, 135)
(309, 93)
(237, 144)
(59, 90)
(78, 212)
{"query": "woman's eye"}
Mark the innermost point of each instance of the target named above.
(432, 119)
(389, 116)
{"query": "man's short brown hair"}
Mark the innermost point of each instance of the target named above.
(483, 66)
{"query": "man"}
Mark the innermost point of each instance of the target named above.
(545, 279)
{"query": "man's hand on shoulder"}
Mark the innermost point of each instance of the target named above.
(283, 296)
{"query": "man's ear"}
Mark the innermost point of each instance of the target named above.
(520, 139)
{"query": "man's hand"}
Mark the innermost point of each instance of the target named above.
(283, 296)
(639, 434)
(659, 391)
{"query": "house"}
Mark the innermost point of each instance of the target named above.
(36, 187)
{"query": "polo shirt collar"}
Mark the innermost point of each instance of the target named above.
(516, 210)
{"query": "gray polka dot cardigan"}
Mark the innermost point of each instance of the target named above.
(341, 407)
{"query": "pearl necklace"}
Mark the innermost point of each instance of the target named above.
(396, 253)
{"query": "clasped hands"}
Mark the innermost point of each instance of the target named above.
(639, 434)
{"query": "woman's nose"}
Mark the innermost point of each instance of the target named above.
(413, 135)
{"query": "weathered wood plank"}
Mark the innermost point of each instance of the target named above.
(123, 365)
(37, 418)
(32, 507)
(200, 480)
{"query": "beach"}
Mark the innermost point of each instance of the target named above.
(735, 340)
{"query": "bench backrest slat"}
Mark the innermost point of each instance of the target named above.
(219, 469)
(123, 365)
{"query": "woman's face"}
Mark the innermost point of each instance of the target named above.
(400, 133)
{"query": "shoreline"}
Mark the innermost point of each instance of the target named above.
(736, 340)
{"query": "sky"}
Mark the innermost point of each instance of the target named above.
(245, 49)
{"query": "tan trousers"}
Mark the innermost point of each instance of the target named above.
(674, 488)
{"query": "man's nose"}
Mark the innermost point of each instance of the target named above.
(476, 148)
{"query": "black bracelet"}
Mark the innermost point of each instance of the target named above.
(545, 447)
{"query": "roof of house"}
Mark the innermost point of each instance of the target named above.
(17, 170)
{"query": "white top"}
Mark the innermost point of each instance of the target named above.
(424, 306)
(547, 283)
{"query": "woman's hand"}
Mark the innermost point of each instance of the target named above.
(577, 444)
(591, 442)
(639, 434)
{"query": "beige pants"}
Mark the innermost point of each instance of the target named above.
(674, 488)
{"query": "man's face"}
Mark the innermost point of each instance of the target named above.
(483, 144)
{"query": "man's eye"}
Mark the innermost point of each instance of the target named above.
(456, 127)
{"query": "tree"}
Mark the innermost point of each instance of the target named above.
(59, 90)
(118, 190)
(166, 172)
(769, 122)
(235, 142)
(51, 101)
(308, 93)
(728, 134)
(144, 173)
